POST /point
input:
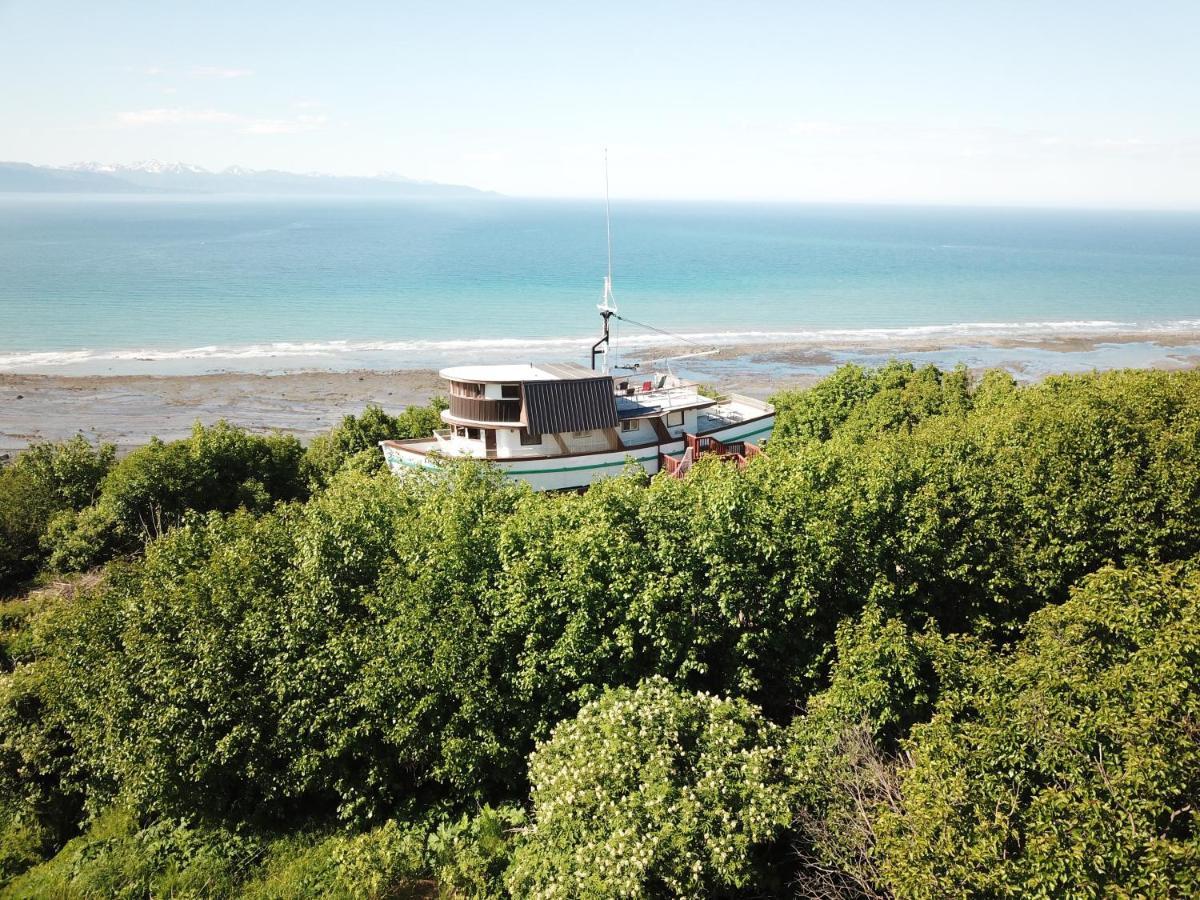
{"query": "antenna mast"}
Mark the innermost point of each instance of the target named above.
(608, 306)
(607, 229)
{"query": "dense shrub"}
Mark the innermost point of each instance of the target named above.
(652, 792)
(46, 480)
(151, 490)
(1072, 765)
(69, 506)
(470, 856)
(886, 678)
(387, 862)
(390, 647)
(863, 402)
(356, 440)
(115, 858)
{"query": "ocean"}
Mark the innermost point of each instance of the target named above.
(196, 284)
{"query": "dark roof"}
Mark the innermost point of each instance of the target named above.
(637, 411)
(580, 404)
(567, 370)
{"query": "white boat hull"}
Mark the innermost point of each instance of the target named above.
(583, 469)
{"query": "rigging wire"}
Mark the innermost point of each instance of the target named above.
(669, 334)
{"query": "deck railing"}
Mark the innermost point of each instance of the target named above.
(697, 445)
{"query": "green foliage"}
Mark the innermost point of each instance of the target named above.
(115, 858)
(41, 783)
(217, 469)
(388, 861)
(384, 648)
(71, 471)
(357, 439)
(652, 792)
(195, 717)
(860, 402)
(16, 628)
(271, 672)
(69, 507)
(24, 842)
(885, 679)
(1072, 765)
(470, 856)
(46, 480)
(977, 520)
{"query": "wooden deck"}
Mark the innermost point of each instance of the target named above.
(696, 446)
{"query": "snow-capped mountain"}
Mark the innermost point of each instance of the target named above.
(154, 176)
(145, 167)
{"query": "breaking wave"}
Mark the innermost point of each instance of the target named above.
(423, 353)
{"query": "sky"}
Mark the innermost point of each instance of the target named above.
(1051, 103)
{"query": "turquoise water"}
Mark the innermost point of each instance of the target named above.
(118, 284)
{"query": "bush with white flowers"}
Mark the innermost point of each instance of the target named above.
(652, 791)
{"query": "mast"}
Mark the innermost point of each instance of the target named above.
(608, 306)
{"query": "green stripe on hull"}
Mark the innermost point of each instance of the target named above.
(595, 465)
(603, 465)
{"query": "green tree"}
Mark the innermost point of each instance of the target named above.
(357, 438)
(45, 481)
(1070, 767)
(220, 468)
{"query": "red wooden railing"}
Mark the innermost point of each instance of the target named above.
(738, 452)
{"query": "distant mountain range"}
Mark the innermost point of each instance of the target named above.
(181, 178)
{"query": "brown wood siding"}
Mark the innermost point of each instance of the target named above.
(479, 410)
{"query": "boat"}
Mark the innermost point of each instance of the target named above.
(565, 426)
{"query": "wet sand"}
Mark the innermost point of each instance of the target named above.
(128, 409)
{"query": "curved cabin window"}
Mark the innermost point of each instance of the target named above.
(470, 389)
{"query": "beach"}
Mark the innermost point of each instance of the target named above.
(127, 409)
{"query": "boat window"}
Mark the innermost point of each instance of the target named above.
(530, 438)
(466, 389)
(474, 434)
(631, 425)
(674, 418)
(510, 391)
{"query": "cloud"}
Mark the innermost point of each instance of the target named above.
(245, 124)
(296, 125)
(176, 116)
(220, 72)
(817, 128)
(145, 71)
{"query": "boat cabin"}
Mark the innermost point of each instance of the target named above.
(561, 425)
(505, 412)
